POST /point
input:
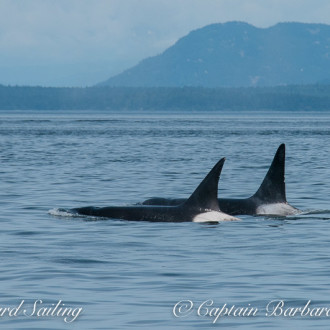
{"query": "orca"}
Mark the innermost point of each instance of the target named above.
(201, 206)
(270, 198)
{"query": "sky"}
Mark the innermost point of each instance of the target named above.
(78, 43)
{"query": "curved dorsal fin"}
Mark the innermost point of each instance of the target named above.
(206, 194)
(272, 189)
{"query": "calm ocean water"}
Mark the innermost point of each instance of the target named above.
(137, 275)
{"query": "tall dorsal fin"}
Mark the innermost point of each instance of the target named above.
(272, 189)
(206, 194)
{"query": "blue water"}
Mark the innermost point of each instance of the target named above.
(131, 275)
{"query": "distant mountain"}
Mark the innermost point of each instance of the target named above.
(237, 54)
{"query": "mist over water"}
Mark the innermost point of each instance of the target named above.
(131, 274)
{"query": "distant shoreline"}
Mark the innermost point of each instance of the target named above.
(279, 98)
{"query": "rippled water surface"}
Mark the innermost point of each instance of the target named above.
(141, 275)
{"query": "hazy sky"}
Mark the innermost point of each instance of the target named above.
(82, 42)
